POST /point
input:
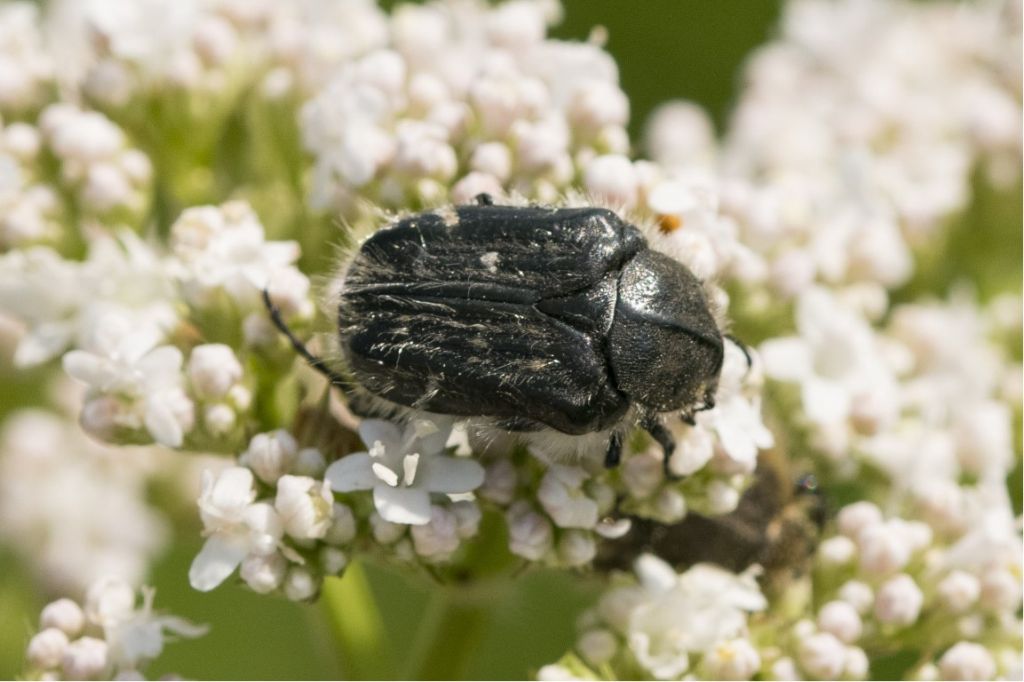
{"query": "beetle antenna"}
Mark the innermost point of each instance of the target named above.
(316, 363)
(743, 348)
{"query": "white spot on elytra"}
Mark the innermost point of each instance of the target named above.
(490, 261)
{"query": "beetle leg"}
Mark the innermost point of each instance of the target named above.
(484, 199)
(316, 363)
(664, 439)
(613, 455)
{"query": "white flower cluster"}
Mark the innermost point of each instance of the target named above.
(119, 309)
(276, 516)
(72, 508)
(468, 99)
(109, 178)
(959, 591)
(30, 209)
(108, 637)
(668, 625)
(26, 68)
(857, 132)
(117, 50)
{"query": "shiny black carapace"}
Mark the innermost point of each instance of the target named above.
(530, 317)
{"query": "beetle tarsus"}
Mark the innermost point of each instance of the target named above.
(316, 363)
(664, 438)
(484, 199)
(613, 455)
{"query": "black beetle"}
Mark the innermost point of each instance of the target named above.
(530, 317)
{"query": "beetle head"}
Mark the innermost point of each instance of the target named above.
(665, 347)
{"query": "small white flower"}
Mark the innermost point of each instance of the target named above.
(139, 638)
(148, 375)
(304, 506)
(735, 659)
(403, 468)
(687, 613)
(270, 455)
(563, 498)
(235, 526)
(109, 601)
(967, 661)
(898, 601)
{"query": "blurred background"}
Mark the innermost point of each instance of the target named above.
(665, 49)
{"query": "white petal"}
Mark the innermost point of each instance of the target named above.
(654, 574)
(161, 366)
(433, 434)
(41, 344)
(162, 425)
(89, 368)
(450, 475)
(786, 359)
(351, 472)
(136, 345)
(825, 402)
(372, 430)
(402, 505)
(215, 562)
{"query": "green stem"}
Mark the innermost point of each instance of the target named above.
(363, 648)
(452, 627)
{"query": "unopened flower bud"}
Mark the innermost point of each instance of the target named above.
(213, 369)
(837, 551)
(840, 619)
(597, 647)
(263, 573)
(333, 560)
(85, 659)
(343, 525)
(576, 547)
(822, 656)
(46, 649)
(858, 595)
(65, 615)
(270, 455)
(530, 534)
(898, 601)
(300, 585)
(967, 661)
(856, 517)
(959, 591)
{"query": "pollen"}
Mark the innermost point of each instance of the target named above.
(668, 223)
